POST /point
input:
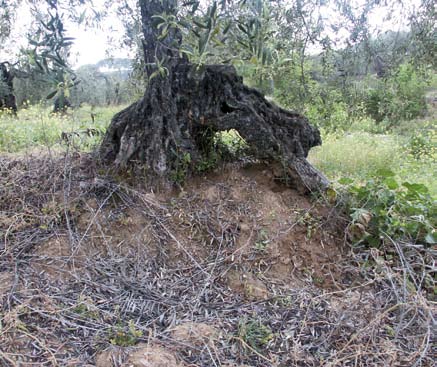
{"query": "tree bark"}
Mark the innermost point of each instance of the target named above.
(61, 103)
(7, 99)
(165, 50)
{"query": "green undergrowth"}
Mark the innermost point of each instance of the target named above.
(383, 207)
(393, 222)
(360, 155)
(387, 184)
(226, 146)
(410, 150)
(36, 127)
(254, 334)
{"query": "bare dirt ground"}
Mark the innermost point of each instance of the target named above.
(234, 270)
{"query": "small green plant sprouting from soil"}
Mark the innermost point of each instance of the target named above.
(85, 308)
(262, 241)
(180, 171)
(284, 301)
(318, 280)
(254, 333)
(125, 337)
(208, 163)
(310, 222)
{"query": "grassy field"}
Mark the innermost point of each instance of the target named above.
(360, 155)
(36, 127)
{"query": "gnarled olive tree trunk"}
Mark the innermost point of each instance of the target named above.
(180, 111)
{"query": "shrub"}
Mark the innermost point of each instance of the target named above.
(327, 111)
(423, 144)
(321, 103)
(381, 208)
(399, 97)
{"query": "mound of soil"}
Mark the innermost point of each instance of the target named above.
(236, 269)
(142, 355)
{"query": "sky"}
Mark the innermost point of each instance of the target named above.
(90, 44)
(93, 45)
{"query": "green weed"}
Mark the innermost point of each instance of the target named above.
(181, 167)
(125, 337)
(262, 241)
(86, 308)
(254, 333)
(384, 208)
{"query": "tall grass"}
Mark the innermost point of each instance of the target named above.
(361, 155)
(35, 127)
(355, 155)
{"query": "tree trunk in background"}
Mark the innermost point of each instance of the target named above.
(61, 103)
(172, 125)
(7, 97)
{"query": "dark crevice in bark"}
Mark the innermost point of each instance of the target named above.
(179, 114)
